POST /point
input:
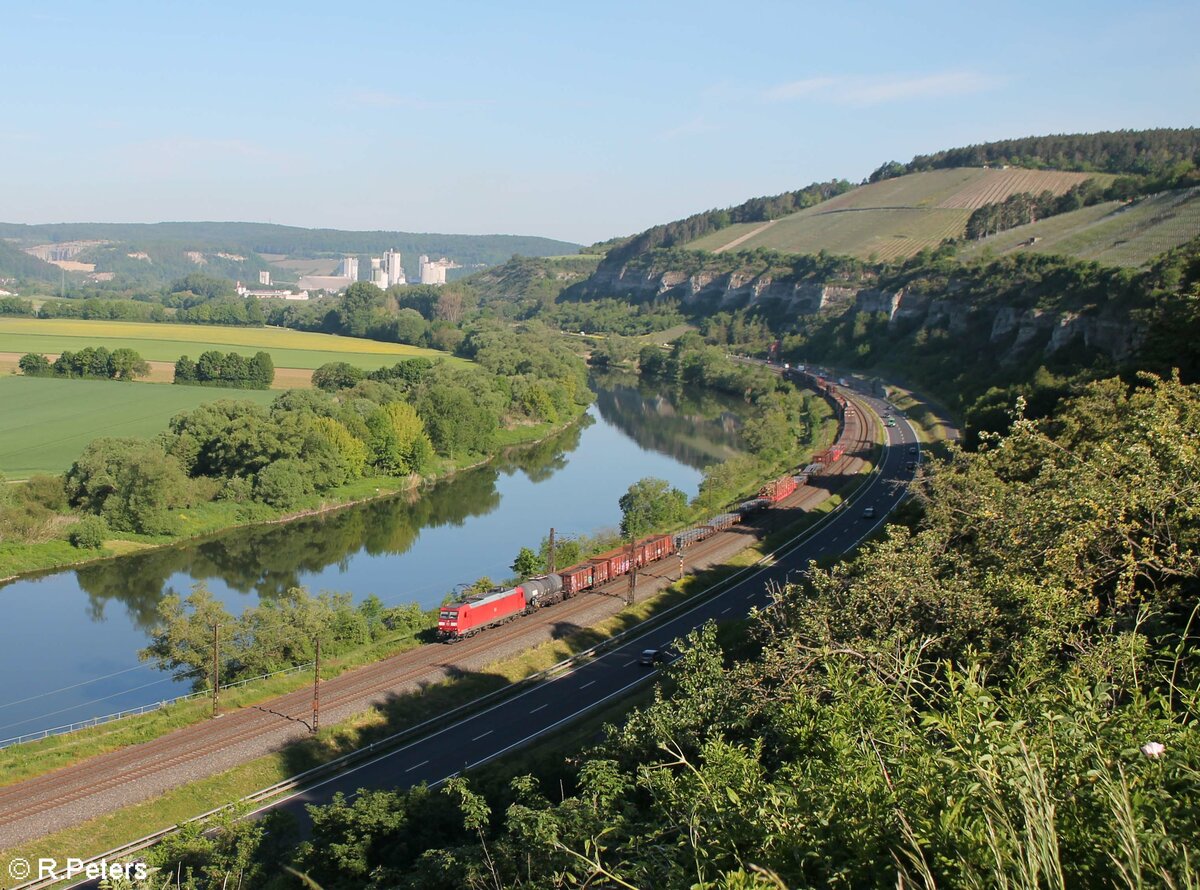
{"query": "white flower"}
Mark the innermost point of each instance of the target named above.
(1153, 750)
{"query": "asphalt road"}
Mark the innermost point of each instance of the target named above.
(489, 734)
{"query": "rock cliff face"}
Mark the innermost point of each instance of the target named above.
(1015, 331)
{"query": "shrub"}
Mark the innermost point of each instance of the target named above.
(88, 533)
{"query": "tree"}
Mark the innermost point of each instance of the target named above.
(261, 371)
(360, 305)
(352, 450)
(185, 370)
(131, 483)
(527, 564)
(651, 505)
(34, 364)
(334, 376)
(182, 640)
(126, 364)
(283, 483)
(399, 444)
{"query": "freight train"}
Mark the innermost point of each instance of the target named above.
(501, 605)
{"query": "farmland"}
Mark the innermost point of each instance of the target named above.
(47, 422)
(1111, 233)
(891, 219)
(166, 342)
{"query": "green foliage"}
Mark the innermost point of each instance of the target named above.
(88, 533)
(651, 505)
(230, 370)
(275, 634)
(527, 564)
(334, 376)
(1145, 152)
(283, 483)
(459, 410)
(34, 364)
(399, 444)
(132, 483)
(89, 362)
(16, 306)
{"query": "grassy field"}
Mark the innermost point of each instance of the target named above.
(1111, 233)
(890, 219)
(166, 342)
(46, 422)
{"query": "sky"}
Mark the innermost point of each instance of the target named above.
(579, 121)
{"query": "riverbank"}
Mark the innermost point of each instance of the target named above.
(216, 518)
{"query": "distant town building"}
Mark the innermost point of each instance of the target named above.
(379, 275)
(349, 268)
(244, 291)
(395, 271)
(434, 271)
(264, 278)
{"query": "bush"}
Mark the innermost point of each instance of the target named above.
(88, 534)
(283, 483)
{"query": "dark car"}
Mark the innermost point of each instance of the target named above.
(651, 657)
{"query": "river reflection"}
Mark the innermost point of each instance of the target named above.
(68, 645)
(268, 560)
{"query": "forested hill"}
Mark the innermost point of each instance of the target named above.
(15, 263)
(292, 240)
(924, 210)
(1135, 152)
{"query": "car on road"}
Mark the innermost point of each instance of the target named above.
(912, 449)
(651, 657)
(869, 513)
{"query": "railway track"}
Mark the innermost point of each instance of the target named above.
(36, 806)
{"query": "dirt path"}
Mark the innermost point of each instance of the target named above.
(736, 241)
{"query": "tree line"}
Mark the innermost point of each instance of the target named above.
(1152, 153)
(96, 363)
(226, 369)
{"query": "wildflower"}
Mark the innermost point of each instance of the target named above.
(1153, 750)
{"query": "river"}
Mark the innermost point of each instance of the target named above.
(69, 640)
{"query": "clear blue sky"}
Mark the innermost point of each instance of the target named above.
(576, 121)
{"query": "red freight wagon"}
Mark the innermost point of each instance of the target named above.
(616, 562)
(577, 578)
(478, 612)
(778, 489)
(657, 547)
(600, 572)
(830, 455)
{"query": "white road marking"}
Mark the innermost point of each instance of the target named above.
(416, 766)
(547, 704)
(484, 736)
(726, 609)
(587, 684)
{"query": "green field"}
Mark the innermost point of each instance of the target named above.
(45, 423)
(893, 218)
(1111, 233)
(167, 342)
